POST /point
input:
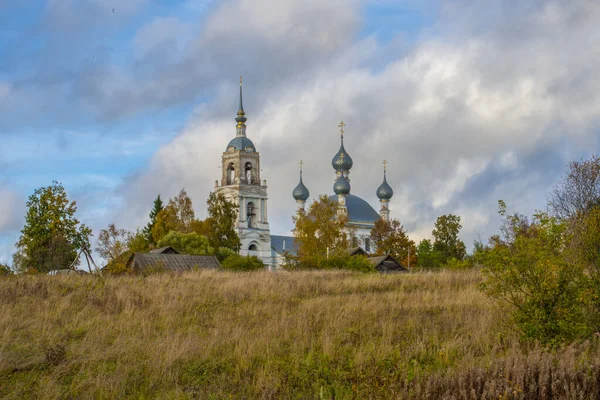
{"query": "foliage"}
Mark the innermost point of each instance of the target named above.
(220, 226)
(158, 207)
(112, 243)
(320, 231)
(446, 240)
(187, 243)
(391, 238)
(223, 252)
(578, 192)
(427, 256)
(134, 243)
(340, 261)
(235, 262)
(178, 215)
(52, 235)
(528, 273)
(5, 270)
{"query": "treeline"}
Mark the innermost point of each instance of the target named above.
(53, 238)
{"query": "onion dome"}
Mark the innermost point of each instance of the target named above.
(301, 192)
(342, 160)
(341, 186)
(384, 191)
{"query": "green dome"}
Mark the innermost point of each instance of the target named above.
(241, 143)
(341, 186)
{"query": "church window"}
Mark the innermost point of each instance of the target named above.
(368, 245)
(230, 174)
(253, 249)
(354, 241)
(251, 215)
(248, 169)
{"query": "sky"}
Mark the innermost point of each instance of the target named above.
(468, 101)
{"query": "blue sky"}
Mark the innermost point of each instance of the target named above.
(469, 102)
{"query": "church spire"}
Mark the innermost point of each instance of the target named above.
(241, 116)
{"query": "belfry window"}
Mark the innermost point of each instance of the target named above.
(230, 174)
(248, 170)
(251, 214)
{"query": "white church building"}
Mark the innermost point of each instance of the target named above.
(241, 184)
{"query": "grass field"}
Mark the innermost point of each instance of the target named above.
(302, 335)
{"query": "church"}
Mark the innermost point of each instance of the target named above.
(241, 184)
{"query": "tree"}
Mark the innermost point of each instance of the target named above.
(579, 191)
(52, 235)
(320, 231)
(446, 240)
(187, 243)
(427, 257)
(112, 243)
(391, 238)
(5, 270)
(178, 216)
(220, 226)
(158, 207)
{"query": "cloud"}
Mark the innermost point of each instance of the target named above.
(10, 211)
(463, 119)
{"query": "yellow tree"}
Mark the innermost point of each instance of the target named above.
(391, 238)
(178, 216)
(320, 230)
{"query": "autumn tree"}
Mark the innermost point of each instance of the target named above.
(579, 191)
(178, 215)
(158, 207)
(187, 243)
(446, 240)
(52, 236)
(320, 231)
(391, 238)
(220, 226)
(112, 243)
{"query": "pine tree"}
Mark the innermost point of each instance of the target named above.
(158, 206)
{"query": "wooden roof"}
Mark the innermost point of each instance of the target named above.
(164, 250)
(148, 262)
(356, 251)
(386, 263)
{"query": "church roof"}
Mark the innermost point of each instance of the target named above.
(241, 143)
(277, 244)
(358, 209)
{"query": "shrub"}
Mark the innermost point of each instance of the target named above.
(223, 252)
(5, 270)
(235, 262)
(334, 261)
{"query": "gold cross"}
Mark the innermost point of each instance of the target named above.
(384, 165)
(342, 125)
(301, 164)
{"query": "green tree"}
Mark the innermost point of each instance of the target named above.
(446, 240)
(427, 256)
(220, 226)
(320, 231)
(52, 235)
(158, 207)
(187, 243)
(391, 238)
(178, 215)
(5, 270)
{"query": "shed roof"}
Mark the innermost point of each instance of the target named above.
(171, 262)
(386, 263)
(164, 250)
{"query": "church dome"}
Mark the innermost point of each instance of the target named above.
(384, 191)
(241, 143)
(301, 192)
(341, 186)
(359, 210)
(340, 163)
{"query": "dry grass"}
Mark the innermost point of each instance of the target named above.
(273, 335)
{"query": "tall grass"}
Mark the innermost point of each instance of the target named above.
(273, 335)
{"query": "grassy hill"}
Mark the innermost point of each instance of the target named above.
(273, 335)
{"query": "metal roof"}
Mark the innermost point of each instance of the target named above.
(241, 143)
(358, 209)
(277, 244)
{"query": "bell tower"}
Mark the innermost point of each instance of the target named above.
(241, 184)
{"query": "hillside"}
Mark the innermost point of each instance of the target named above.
(272, 335)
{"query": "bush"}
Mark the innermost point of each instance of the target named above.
(5, 270)
(235, 262)
(334, 261)
(224, 252)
